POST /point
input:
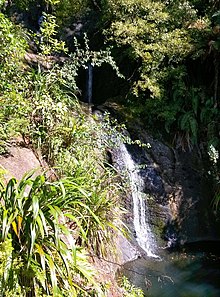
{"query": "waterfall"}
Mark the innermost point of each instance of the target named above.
(144, 235)
(89, 83)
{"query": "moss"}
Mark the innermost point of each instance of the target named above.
(157, 220)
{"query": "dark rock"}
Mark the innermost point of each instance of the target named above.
(180, 194)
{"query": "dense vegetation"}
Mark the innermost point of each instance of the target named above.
(174, 82)
(49, 225)
(169, 55)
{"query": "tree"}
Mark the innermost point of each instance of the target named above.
(164, 40)
(150, 34)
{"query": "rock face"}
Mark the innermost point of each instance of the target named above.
(127, 251)
(177, 182)
(18, 161)
(180, 195)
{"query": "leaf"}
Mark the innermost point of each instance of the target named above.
(10, 192)
(68, 236)
(40, 251)
(33, 234)
(14, 226)
(40, 225)
(74, 219)
(195, 102)
(52, 269)
(216, 14)
(35, 207)
(62, 189)
(65, 255)
(90, 211)
(204, 115)
(7, 222)
(184, 121)
(43, 221)
(20, 219)
(4, 224)
(194, 129)
(54, 224)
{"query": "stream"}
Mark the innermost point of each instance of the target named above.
(193, 271)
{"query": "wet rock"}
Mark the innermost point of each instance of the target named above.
(128, 251)
(177, 180)
(179, 194)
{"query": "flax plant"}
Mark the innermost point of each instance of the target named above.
(97, 212)
(33, 217)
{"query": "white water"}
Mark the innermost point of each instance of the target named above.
(89, 83)
(144, 235)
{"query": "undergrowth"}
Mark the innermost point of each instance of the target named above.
(46, 225)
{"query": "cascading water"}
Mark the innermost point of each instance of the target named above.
(89, 84)
(144, 235)
(189, 272)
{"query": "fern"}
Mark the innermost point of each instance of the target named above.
(195, 100)
(189, 124)
(184, 121)
(194, 129)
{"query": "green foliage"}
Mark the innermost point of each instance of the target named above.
(2, 2)
(9, 279)
(41, 107)
(214, 172)
(34, 215)
(197, 116)
(81, 57)
(73, 143)
(67, 11)
(59, 130)
(162, 39)
(147, 30)
(158, 38)
(25, 4)
(130, 290)
(48, 43)
(96, 213)
(53, 2)
(12, 49)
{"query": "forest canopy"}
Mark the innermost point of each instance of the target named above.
(168, 52)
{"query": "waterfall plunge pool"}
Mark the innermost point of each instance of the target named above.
(193, 271)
